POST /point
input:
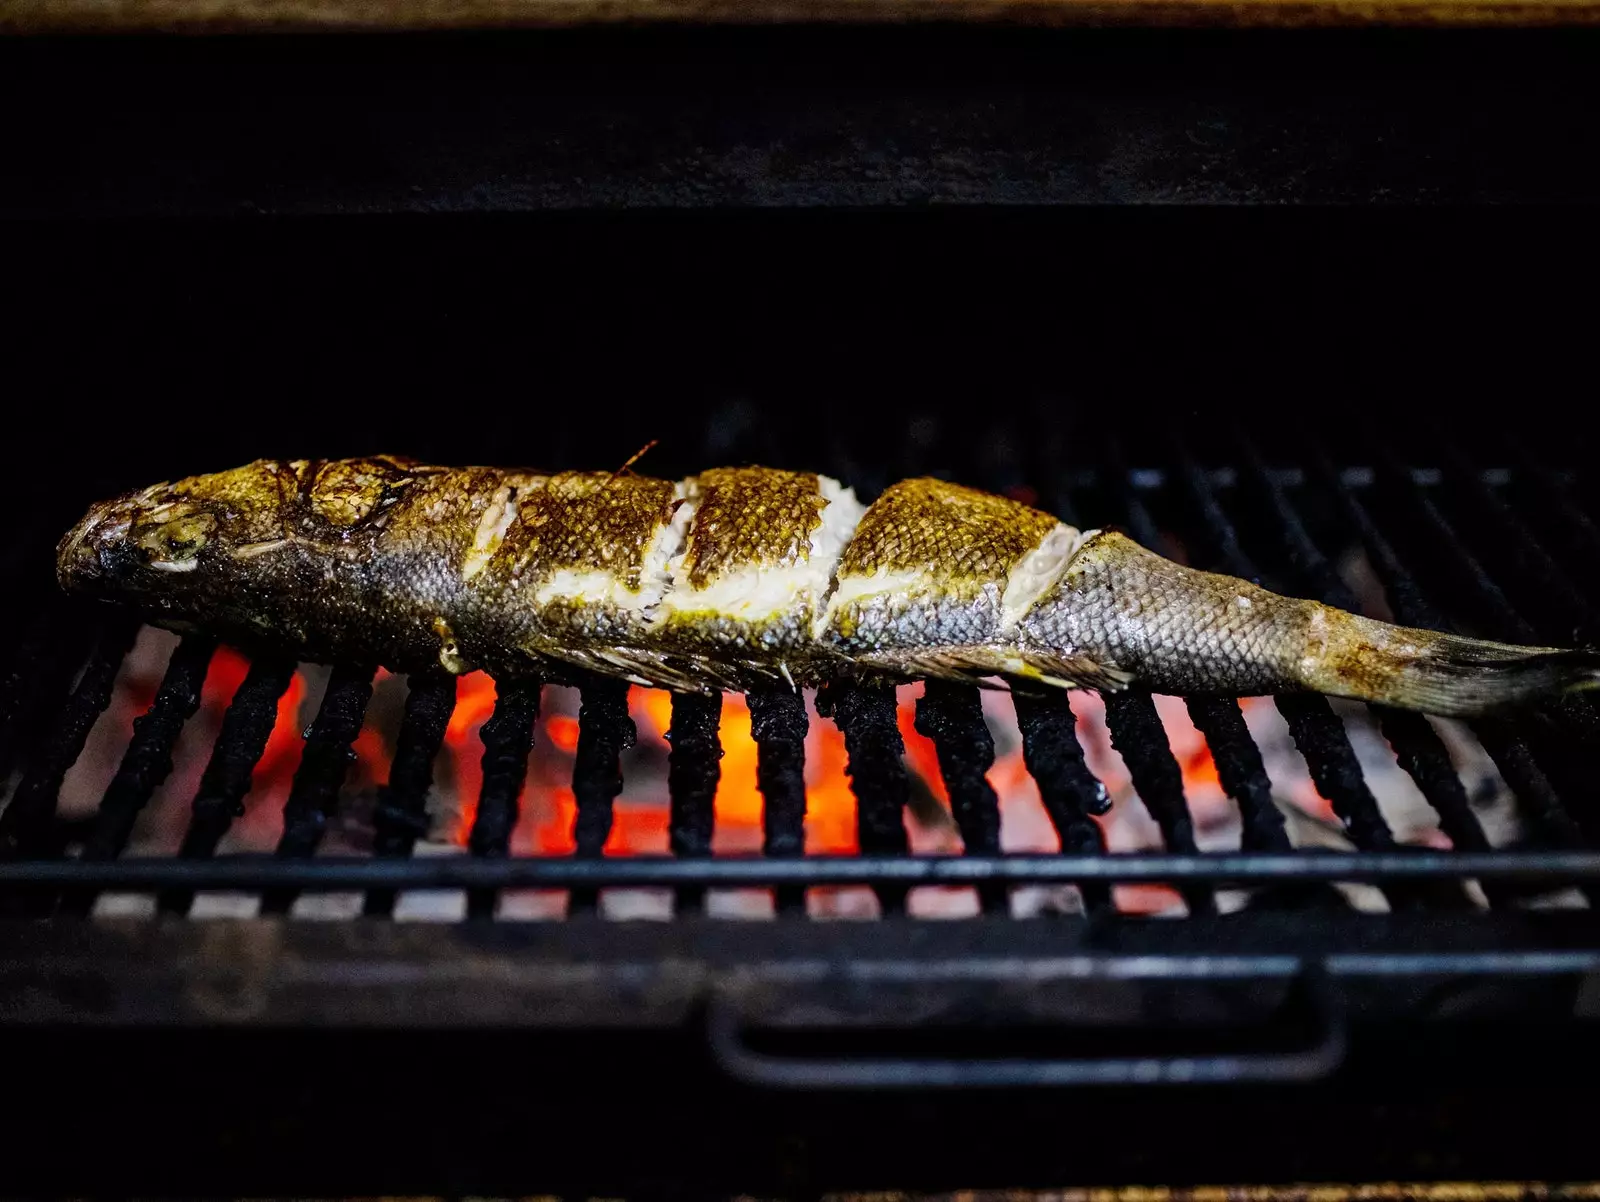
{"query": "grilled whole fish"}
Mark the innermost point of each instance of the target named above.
(736, 577)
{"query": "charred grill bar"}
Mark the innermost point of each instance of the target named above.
(692, 776)
(402, 814)
(507, 742)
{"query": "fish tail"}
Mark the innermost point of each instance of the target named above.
(1173, 629)
(1438, 673)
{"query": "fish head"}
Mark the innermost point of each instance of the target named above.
(174, 540)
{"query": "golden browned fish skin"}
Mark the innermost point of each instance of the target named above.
(736, 577)
(746, 522)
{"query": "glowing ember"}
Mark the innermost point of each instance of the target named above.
(642, 811)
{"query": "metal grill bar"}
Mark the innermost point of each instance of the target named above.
(27, 826)
(1241, 772)
(902, 872)
(1558, 727)
(952, 716)
(1571, 522)
(402, 814)
(604, 732)
(1417, 746)
(1316, 730)
(1495, 608)
(148, 758)
(875, 753)
(693, 769)
(246, 727)
(507, 738)
(1137, 732)
(778, 724)
(1321, 738)
(1568, 616)
(1070, 793)
(1509, 751)
(324, 762)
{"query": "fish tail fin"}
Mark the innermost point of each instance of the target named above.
(1442, 674)
(1173, 629)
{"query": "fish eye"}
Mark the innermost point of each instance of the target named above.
(177, 540)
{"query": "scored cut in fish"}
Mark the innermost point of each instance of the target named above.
(737, 577)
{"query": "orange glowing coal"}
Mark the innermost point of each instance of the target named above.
(642, 811)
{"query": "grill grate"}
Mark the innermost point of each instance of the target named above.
(1500, 552)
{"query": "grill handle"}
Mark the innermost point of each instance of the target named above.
(727, 1022)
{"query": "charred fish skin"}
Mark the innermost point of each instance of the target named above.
(734, 577)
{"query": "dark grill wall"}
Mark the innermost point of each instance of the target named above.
(684, 118)
(574, 338)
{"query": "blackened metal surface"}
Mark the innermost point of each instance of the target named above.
(1321, 738)
(875, 752)
(1241, 772)
(605, 731)
(148, 758)
(693, 769)
(1137, 732)
(1501, 739)
(1317, 732)
(27, 826)
(1417, 746)
(401, 817)
(593, 973)
(1543, 586)
(952, 716)
(1564, 733)
(507, 739)
(1071, 794)
(896, 871)
(246, 727)
(797, 117)
(778, 724)
(324, 762)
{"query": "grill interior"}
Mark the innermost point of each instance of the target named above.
(1294, 465)
(1448, 544)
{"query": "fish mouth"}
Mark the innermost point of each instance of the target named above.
(95, 552)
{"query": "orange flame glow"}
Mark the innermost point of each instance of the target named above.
(642, 812)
